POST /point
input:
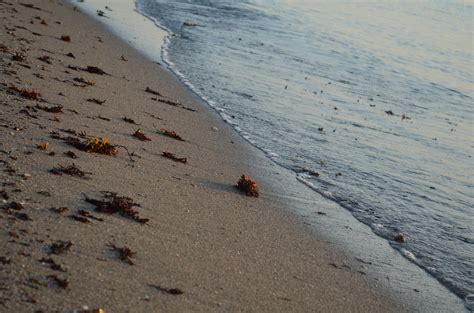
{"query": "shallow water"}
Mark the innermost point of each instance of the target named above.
(375, 98)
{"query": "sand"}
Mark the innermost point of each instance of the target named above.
(223, 250)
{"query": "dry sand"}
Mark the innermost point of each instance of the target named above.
(225, 251)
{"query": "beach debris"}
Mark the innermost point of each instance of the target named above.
(71, 170)
(94, 70)
(30, 6)
(71, 154)
(71, 55)
(100, 13)
(153, 92)
(31, 94)
(96, 101)
(101, 146)
(85, 309)
(171, 291)
(63, 283)
(175, 104)
(125, 253)
(52, 264)
(327, 194)
(405, 117)
(42, 146)
(246, 185)
(114, 203)
(123, 58)
(16, 206)
(19, 57)
(311, 172)
(170, 133)
(129, 120)
(53, 109)
(22, 216)
(59, 247)
(59, 210)
(141, 135)
(399, 237)
(45, 59)
(171, 156)
(80, 219)
(215, 129)
(66, 38)
(389, 112)
(5, 260)
(84, 81)
(89, 215)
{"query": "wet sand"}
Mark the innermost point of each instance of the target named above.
(205, 247)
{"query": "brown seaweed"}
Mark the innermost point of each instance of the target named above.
(246, 185)
(89, 215)
(171, 156)
(171, 291)
(125, 253)
(129, 120)
(71, 170)
(53, 109)
(117, 204)
(59, 247)
(141, 135)
(84, 81)
(153, 92)
(96, 101)
(45, 59)
(170, 133)
(94, 70)
(66, 38)
(63, 283)
(42, 146)
(31, 94)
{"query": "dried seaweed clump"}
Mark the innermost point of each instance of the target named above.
(102, 146)
(32, 94)
(19, 57)
(125, 253)
(84, 81)
(173, 157)
(141, 135)
(60, 247)
(245, 184)
(71, 170)
(66, 38)
(170, 133)
(117, 204)
(43, 146)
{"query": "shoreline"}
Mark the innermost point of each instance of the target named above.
(198, 239)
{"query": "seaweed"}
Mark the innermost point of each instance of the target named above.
(59, 210)
(96, 101)
(94, 70)
(84, 81)
(66, 38)
(19, 57)
(246, 185)
(80, 219)
(31, 94)
(71, 55)
(153, 92)
(125, 253)
(71, 170)
(175, 104)
(42, 146)
(89, 215)
(171, 291)
(101, 146)
(170, 133)
(16, 206)
(171, 156)
(71, 154)
(63, 283)
(52, 264)
(129, 120)
(141, 135)
(53, 109)
(59, 247)
(117, 204)
(399, 237)
(45, 59)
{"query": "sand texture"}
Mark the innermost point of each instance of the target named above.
(195, 242)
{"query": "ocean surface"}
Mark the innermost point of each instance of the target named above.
(371, 105)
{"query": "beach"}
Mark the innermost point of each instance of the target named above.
(188, 240)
